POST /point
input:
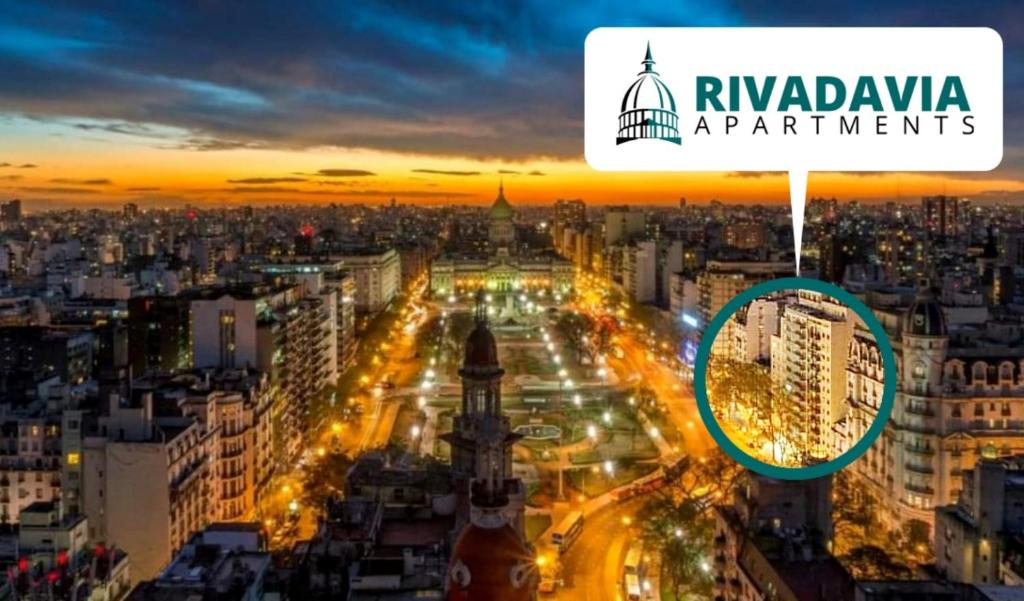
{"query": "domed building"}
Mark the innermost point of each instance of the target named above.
(491, 560)
(648, 109)
(507, 266)
(960, 397)
(502, 229)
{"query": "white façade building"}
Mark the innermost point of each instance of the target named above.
(506, 266)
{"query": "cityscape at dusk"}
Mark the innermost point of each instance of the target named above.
(323, 302)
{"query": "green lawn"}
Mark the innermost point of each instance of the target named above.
(536, 525)
(593, 484)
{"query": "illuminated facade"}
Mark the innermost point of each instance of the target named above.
(958, 399)
(506, 267)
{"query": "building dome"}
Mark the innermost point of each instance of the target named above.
(491, 563)
(925, 317)
(481, 348)
(501, 209)
(648, 108)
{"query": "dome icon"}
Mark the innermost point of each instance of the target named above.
(648, 108)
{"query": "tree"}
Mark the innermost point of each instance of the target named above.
(458, 329)
(575, 328)
(324, 477)
(853, 514)
(681, 533)
(874, 563)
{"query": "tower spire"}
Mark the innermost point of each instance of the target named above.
(480, 313)
(648, 61)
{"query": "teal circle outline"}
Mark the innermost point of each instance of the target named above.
(888, 387)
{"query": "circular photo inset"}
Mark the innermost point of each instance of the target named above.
(795, 378)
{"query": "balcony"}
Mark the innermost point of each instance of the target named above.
(917, 409)
(923, 489)
(919, 469)
(919, 449)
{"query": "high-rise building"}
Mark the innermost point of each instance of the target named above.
(159, 334)
(568, 214)
(745, 236)
(622, 224)
(147, 482)
(808, 362)
(721, 281)
(10, 214)
(639, 271)
(941, 215)
(378, 277)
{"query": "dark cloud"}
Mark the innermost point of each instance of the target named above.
(27, 166)
(344, 173)
(60, 190)
(484, 79)
(215, 144)
(10, 178)
(535, 172)
(5, 164)
(509, 172)
(446, 172)
(143, 189)
(286, 191)
(81, 182)
(266, 180)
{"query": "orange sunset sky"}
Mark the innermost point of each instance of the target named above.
(429, 103)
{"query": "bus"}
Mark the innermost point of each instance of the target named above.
(634, 564)
(633, 590)
(568, 530)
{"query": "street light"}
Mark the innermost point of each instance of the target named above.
(592, 431)
(577, 400)
(609, 467)
(607, 417)
(415, 431)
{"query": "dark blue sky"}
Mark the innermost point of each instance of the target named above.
(498, 79)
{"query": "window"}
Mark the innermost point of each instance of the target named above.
(73, 458)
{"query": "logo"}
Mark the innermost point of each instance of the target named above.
(648, 108)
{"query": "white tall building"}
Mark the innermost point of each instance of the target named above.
(147, 483)
(747, 335)
(378, 277)
(808, 361)
(639, 271)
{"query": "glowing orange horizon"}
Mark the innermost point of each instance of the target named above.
(91, 173)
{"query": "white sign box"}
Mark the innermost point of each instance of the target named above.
(794, 99)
